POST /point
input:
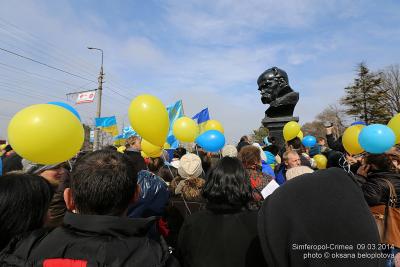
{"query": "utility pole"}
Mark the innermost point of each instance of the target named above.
(96, 144)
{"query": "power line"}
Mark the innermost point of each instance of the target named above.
(47, 65)
(41, 41)
(42, 76)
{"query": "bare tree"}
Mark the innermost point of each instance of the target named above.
(335, 115)
(391, 84)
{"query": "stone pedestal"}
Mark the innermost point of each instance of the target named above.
(275, 127)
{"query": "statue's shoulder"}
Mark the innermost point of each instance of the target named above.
(289, 98)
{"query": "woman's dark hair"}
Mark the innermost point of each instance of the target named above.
(103, 183)
(380, 162)
(179, 152)
(155, 164)
(250, 156)
(227, 185)
(167, 173)
(24, 201)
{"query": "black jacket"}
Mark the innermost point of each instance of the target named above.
(335, 144)
(325, 209)
(376, 190)
(210, 239)
(178, 209)
(98, 240)
(137, 160)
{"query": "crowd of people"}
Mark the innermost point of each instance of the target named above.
(195, 208)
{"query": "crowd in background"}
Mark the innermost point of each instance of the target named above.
(107, 208)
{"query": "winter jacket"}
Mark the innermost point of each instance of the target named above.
(376, 190)
(210, 239)
(96, 240)
(335, 144)
(280, 174)
(322, 209)
(177, 210)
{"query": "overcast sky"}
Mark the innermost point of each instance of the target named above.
(207, 53)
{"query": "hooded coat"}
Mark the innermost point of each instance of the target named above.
(318, 219)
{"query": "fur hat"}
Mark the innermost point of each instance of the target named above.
(190, 166)
(229, 151)
(36, 168)
(297, 171)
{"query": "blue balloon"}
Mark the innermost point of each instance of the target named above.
(211, 141)
(376, 138)
(309, 141)
(66, 106)
(358, 123)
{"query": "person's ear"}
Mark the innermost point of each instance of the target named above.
(69, 201)
(136, 195)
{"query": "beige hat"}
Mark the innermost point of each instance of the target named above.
(229, 151)
(190, 166)
(297, 171)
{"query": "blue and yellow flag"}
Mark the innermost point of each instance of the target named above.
(202, 117)
(175, 111)
(107, 124)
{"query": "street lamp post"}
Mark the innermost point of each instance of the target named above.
(96, 144)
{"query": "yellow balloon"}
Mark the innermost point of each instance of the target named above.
(166, 146)
(394, 124)
(321, 161)
(214, 125)
(151, 150)
(185, 129)
(291, 130)
(149, 118)
(144, 155)
(45, 134)
(300, 135)
(121, 149)
(350, 139)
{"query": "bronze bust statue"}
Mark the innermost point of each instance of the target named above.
(273, 85)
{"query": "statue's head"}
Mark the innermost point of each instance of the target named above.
(273, 83)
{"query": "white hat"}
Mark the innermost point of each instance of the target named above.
(229, 151)
(190, 166)
(297, 171)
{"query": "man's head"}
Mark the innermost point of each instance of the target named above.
(273, 83)
(291, 159)
(103, 183)
(135, 142)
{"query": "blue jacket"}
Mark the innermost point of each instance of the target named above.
(267, 169)
(280, 172)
